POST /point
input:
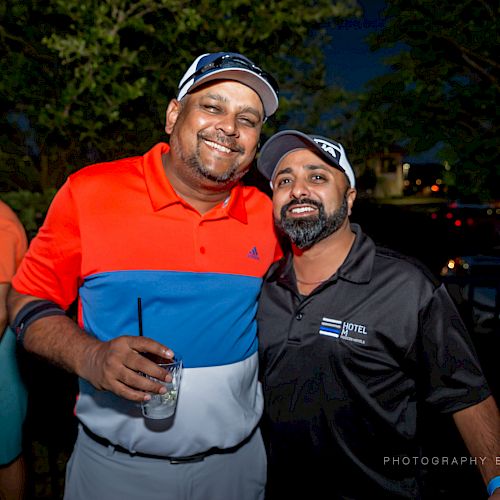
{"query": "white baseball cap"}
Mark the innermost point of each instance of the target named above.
(231, 66)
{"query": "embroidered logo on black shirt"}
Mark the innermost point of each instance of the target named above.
(343, 329)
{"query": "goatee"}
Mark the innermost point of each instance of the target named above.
(305, 232)
(225, 179)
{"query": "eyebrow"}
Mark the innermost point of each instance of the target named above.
(243, 109)
(308, 166)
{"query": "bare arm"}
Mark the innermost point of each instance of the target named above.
(4, 289)
(479, 426)
(112, 365)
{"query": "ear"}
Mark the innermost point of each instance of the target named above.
(171, 115)
(351, 197)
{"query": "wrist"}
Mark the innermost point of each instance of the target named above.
(87, 362)
(493, 485)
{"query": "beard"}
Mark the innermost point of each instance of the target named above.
(307, 231)
(200, 171)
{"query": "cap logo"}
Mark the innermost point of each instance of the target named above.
(329, 148)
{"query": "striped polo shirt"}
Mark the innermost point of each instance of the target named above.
(118, 231)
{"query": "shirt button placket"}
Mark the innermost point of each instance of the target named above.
(200, 245)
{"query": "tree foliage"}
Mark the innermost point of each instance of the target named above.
(31, 207)
(89, 80)
(443, 88)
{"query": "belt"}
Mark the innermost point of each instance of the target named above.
(198, 457)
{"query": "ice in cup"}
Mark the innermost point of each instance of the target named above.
(163, 405)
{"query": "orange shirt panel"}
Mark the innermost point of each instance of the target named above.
(13, 243)
(124, 215)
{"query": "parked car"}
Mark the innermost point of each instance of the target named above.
(478, 280)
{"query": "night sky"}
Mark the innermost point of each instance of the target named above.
(350, 61)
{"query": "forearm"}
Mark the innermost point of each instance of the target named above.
(116, 365)
(3, 320)
(479, 426)
(58, 339)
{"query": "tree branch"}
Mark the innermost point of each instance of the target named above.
(26, 47)
(490, 11)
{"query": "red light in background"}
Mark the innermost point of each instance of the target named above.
(458, 223)
(434, 216)
(434, 188)
(470, 221)
(449, 215)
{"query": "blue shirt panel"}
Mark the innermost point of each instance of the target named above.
(207, 318)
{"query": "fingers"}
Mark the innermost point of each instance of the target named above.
(127, 392)
(136, 386)
(120, 366)
(145, 345)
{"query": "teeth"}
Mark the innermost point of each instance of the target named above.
(301, 210)
(218, 147)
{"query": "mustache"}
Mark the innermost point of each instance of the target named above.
(302, 201)
(222, 139)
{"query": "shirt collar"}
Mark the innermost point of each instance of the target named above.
(356, 268)
(162, 194)
(235, 206)
(358, 264)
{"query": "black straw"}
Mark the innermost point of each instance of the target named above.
(139, 315)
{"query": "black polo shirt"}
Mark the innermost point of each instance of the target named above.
(346, 369)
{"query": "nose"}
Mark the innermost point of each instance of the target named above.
(228, 125)
(299, 189)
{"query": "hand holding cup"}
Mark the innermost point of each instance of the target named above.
(161, 406)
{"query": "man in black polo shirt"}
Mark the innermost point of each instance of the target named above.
(354, 342)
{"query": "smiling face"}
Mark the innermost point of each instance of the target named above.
(311, 199)
(214, 133)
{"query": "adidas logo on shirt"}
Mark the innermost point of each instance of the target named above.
(253, 254)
